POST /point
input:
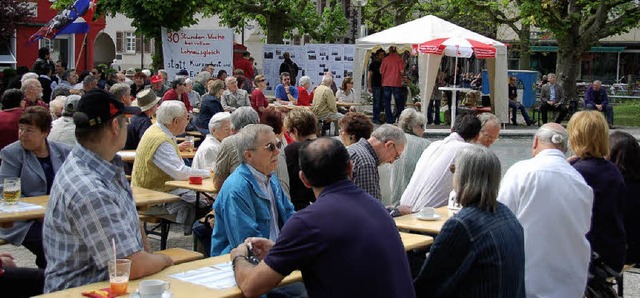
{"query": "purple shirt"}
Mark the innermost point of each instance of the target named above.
(346, 245)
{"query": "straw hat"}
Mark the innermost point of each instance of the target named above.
(146, 99)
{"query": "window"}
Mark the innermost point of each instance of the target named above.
(130, 42)
(46, 43)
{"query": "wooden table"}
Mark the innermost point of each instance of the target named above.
(182, 139)
(130, 155)
(195, 133)
(206, 186)
(178, 287)
(411, 223)
(185, 289)
(414, 241)
(142, 196)
(348, 104)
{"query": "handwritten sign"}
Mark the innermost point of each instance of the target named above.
(193, 49)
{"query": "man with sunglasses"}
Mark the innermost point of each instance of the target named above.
(251, 202)
(158, 161)
(384, 146)
(91, 203)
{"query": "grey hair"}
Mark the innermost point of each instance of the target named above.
(552, 136)
(188, 81)
(327, 79)
(486, 117)
(303, 80)
(169, 110)
(88, 80)
(228, 79)
(551, 75)
(120, 89)
(477, 177)
(388, 132)
(27, 84)
(244, 116)
(597, 82)
(410, 118)
(216, 121)
(29, 75)
(249, 135)
(202, 77)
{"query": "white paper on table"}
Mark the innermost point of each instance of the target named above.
(218, 276)
(19, 207)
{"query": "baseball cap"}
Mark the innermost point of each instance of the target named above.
(71, 103)
(156, 79)
(98, 106)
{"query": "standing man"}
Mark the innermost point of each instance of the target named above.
(360, 264)
(551, 199)
(61, 67)
(285, 92)
(374, 83)
(91, 203)
(251, 202)
(384, 146)
(595, 98)
(246, 65)
(289, 66)
(553, 99)
(392, 71)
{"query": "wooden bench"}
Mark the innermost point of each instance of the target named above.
(160, 223)
(181, 255)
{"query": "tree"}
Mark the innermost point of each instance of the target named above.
(149, 16)
(278, 17)
(577, 25)
(13, 13)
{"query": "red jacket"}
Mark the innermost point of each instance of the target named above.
(246, 66)
(304, 98)
(9, 126)
(171, 94)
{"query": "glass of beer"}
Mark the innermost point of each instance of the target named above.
(119, 276)
(192, 142)
(11, 190)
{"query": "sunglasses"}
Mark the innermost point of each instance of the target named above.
(263, 80)
(272, 147)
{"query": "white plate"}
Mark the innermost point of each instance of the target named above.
(434, 217)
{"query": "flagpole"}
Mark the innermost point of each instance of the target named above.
(81, 48)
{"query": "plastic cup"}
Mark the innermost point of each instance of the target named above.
(119, 276)
(192, 142)
(11, 190)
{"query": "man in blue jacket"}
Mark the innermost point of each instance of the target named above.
(595, 98)
(251, 202)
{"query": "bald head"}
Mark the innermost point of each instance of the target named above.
(324, 161)
(550, 136)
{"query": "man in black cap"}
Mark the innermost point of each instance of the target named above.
(91, 203)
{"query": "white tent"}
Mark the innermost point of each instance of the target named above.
(425, 29)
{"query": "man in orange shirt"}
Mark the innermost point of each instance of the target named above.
(392, 70)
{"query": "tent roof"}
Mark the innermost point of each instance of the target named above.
(419, 31)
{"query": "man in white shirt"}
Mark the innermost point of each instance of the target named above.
(553, 204)
(219, 128)
(432, 181)
(158, 161)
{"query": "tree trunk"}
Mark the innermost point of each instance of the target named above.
(525, 47)
(157, 59)
(275, 29)
(567, 64)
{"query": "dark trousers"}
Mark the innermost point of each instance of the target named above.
(22, 282)
(515, 106)
(607, 110)
(33, 242)
(545, 108)
(399, 103)
(202, 238)
(378, 104)
(434, 106)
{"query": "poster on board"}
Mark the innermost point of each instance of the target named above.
(193, 49)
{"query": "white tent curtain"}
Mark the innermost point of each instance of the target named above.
(428, 28)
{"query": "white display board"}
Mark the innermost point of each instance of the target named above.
(312, 59)
(193, 49)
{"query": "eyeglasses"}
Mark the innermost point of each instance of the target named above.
(271, 146)
(95, 73)
(183, 84)
(263, 80)
(397, 153)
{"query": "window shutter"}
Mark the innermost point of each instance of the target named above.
(138, 44)
(119, 42)
(147, 45)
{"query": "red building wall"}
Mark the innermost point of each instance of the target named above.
(26, 53)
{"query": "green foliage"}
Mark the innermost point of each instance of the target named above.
(333, 24)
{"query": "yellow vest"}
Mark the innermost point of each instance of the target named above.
(145, 173)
